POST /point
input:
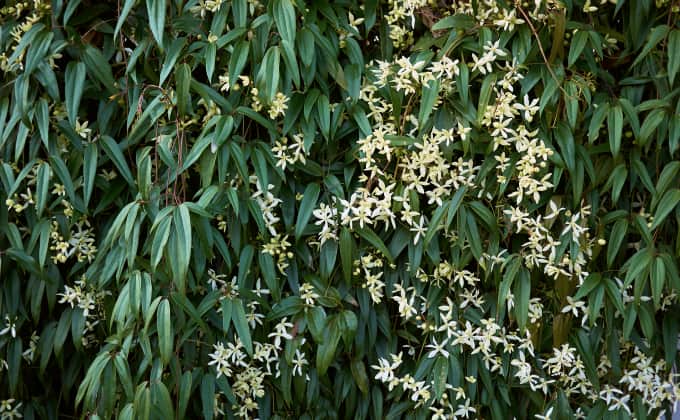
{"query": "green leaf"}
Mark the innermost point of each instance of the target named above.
(196, 152)
(650, 124)
(42, 116)
(616, 181)
(571, 102)
(565, 139)
(506, 284)
(668, 202)
(453, 206)
(359, 374)
(269, 72)
(316, 320)
(596, 121)
(227, 310)
(474, 238)
(615, 128)
(71, 7)
(485, 96)
(183, 82)
(75, 83)
(656, 35)
(614, 293)
(182, 223)
(326, 350)
(37, 51)
(346, 254)
(184, 394)
(429, 97)
(239, 160)
(238, 315)
(45, 230)
(353, 76)
(164, 328)
(589, 284)
(658, 280)
(238, 60)
(670, 336)
(125, 11)
(244, 264)
(250, 113)
(59, 168)
(522, 294)
(291, 61)
(284, 17)
(666, 179)
(372, 238)
(99, 67)
(240, 8)
(14, 350)
(156, 12)
(616, 239)
(89, 171)
(173, 53)
(324, 113)
(305, 46)
(123, 371)
(160, 239)
(93, 375)
(307, 206)
(578, 43)
(637, 265)
(458, 21)
(629, 321)
(43, 187)
(208, 396)
(260, 164)
(583, 346)
(113, 151)
(210, 56)
(160, 398)
(673, 56)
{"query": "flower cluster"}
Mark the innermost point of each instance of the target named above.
(87, 298)
(247, 374)
(370, 268)
(27, 14)
(267, 202)
(81, 243)
(9, 410)
(409, 167)
(289, 154)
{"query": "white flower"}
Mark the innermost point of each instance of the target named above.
(10, 327)
(298, 362)
(546, 416)
(437, 348)
(385, 371)
(464, 410)
(574, 306)
(529, 108)
(281, 331)
(8, 412)
(419, 229)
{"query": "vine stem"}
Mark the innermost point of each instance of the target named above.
(518, 6)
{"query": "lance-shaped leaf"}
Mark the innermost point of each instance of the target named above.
(307, 205)
(164, 330)
(284, 16)
(238, 316)
(75, 83)
(156, 12)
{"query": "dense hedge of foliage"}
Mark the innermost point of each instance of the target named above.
(380, 209)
